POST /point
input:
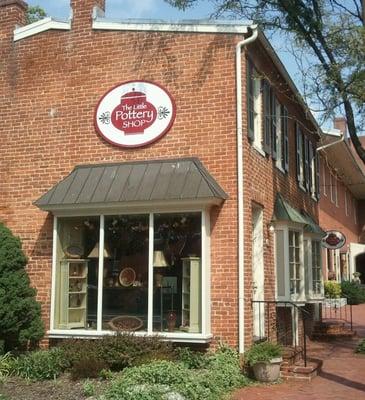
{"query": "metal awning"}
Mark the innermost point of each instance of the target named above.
(283, 211)
(128, 183)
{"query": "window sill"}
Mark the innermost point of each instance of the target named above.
(260, 151)
(171, 336)
(280, 169)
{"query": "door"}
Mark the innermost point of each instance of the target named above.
(356, 250)
(258, 273)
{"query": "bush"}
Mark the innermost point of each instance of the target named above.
(20, 313)
(87, 368)
(174, 380)
(6, 366)
(332, 290)
(190, 358)
(361, 347)
(263, 352)
(88, 388)
(41, 365)
(354, 293)
(114, 353)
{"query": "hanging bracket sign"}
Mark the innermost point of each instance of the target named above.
(333, 240)
(134, 114)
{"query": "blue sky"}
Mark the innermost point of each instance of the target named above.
(159, 9)
(130, 9)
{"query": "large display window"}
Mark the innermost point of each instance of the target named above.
(129, 273)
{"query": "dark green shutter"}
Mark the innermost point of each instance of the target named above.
(298, 136)
(285, 139)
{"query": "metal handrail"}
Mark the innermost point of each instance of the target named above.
(305, 314)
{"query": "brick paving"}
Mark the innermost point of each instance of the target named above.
(342, 376)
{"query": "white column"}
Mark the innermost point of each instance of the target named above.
(54, 267)
(100, 277)
(150, 275)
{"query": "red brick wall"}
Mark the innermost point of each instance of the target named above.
(263, 180)
(49, 88)
(332, 216)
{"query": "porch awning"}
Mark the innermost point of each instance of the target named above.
(283, 211)
(130, 183)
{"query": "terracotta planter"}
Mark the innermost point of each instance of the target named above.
(267, 371)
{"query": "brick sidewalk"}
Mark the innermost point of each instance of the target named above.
(342, 376)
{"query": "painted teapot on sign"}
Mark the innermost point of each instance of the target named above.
(134, 114)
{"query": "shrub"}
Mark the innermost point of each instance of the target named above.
(20, 313)
(6, 366)
(190, 358)
(41, 365)
(332, 289)
(361, 347)
(174, 380)
(116, 352)
(262, 352)
(87, 368)
(354, 293)
(88, 388)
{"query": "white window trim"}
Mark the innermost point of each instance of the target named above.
(203, 337)
(324, 181)
(279, 137)
(311, 294)
(257, 105)
(289, 297)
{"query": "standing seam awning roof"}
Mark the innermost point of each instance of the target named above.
(158, 180)
(283, 211)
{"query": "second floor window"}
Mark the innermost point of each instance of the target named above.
(254, 105)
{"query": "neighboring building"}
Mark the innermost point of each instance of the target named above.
(138, 140)
(342, 194)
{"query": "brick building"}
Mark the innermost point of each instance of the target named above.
(211, 204)
(341, 203)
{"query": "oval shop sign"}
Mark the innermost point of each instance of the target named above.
(333, 240)
(134, 114)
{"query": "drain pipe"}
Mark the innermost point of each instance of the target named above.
(241, 279)
(331, 144)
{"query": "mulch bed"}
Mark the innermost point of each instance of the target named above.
(60, 389)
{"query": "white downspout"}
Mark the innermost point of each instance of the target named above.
(331, 144)
(241, 279)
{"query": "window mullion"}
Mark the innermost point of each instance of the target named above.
(150, 274)
(99, 318)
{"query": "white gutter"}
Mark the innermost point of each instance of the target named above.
(331, 144)
(241, 271)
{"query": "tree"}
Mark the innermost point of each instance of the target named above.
(332, 35)
(34, 14)
(20, 313)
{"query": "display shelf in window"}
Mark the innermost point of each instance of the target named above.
(191, 295)
(73, 293)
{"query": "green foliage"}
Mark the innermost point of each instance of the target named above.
(106, 374)
(114, 353)
(162, 379)
(20, 313)
(361, 347)
(332, 289)
(6, 366)
(34, 14)
(190, 358)
(87, 368)
(354, 293)
(40, 365)
(88, 388)
(262, 352)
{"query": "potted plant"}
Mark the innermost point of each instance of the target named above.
(265, 359)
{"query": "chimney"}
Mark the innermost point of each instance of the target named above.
(340, 123)
(83, 11)
(12, 14)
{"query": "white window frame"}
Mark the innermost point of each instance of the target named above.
(257, 110)
(346, 203)
(279, 137)
(354, 202)
(203, 337)
(297, 297)
(309, 267)
(324, 180)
